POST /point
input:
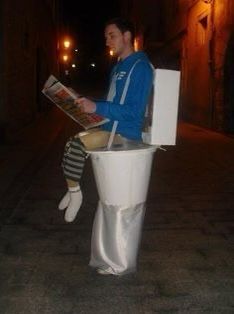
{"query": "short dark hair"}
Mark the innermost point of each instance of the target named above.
(123, 25)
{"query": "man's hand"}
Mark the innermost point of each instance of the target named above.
(86, 105)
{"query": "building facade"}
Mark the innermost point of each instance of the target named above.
(196, 37)
(28, 41)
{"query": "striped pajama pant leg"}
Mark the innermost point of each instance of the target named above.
(74, 159)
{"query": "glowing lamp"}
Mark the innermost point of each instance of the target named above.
(65, 58)
(66, 43)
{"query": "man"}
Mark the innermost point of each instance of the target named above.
(130, 86)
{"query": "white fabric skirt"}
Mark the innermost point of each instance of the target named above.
(116, 237)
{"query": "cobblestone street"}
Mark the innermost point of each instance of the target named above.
(186, 260)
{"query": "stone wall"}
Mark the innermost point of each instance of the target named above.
(194, 35)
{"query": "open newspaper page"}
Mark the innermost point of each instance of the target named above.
(64, 98)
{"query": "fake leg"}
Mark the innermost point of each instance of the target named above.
(73, 164)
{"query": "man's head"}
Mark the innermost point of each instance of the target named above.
(119, 34)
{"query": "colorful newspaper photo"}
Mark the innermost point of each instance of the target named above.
(64, 97)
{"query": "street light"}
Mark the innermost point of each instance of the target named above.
(111, 52)
(65, 58)
(66, 43)
(136, 44)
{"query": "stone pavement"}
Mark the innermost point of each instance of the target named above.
(186, 260)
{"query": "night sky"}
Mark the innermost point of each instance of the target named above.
(85, 21)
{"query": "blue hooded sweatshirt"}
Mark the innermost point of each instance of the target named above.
(130, 114)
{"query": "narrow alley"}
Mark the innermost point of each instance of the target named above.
(187, 253)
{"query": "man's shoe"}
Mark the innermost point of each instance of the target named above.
(104, 271)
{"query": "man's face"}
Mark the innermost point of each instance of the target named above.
(116, 40)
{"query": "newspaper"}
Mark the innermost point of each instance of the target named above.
(64, 97)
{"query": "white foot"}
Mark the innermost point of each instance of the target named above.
(74, 205)
(64, 201)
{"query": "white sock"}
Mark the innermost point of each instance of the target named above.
(64, 201)
(74, 204)
(74, 188)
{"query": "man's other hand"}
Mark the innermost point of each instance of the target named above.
(86, 105)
